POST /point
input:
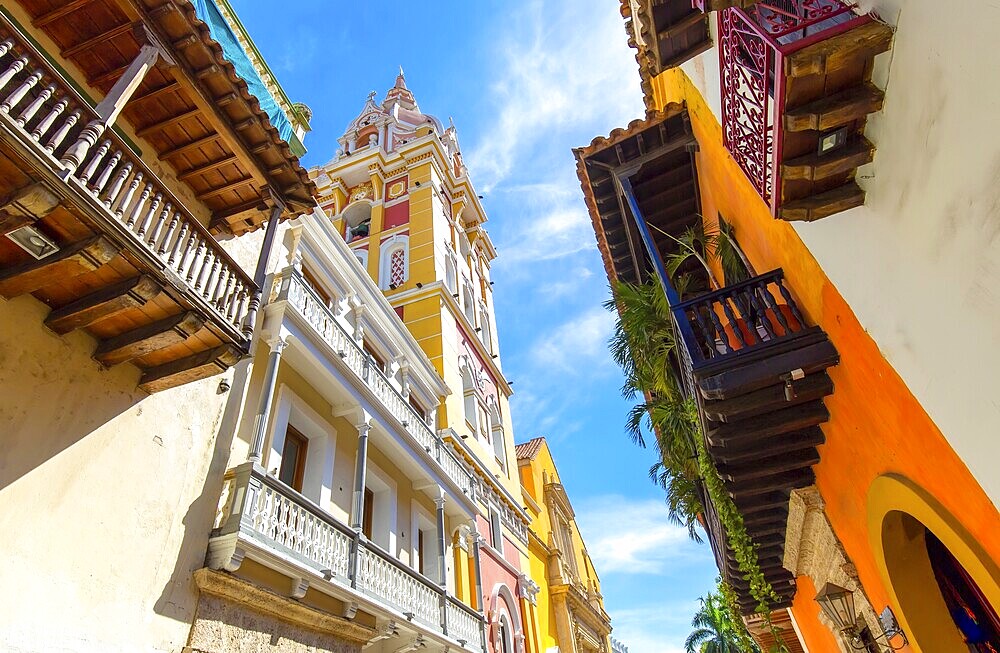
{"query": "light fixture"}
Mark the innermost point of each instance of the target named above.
(837, 603)
(832, 140)
(419, 285)
(224, 386)
(479, 329)
(455, 295)
(33, 241)
(327, 574)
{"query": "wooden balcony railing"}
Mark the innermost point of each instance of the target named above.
(260, 509)
(303, 298)
(737, 320)
(127, 198)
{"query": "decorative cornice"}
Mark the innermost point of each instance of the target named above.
(246, 594)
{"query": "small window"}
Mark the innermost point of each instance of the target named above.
(369, 507)
(293, 459)
(316, 286)
(378, 360)
(415, 405)
(496, 531)
(397, 268)
(422, 551)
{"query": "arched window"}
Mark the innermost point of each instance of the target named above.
(357, 219)
(450, 271)
(394, 262)
(362, 256)
(469, 395)
(496, 434)
(468, 301)
(505, 636)
(487, 334)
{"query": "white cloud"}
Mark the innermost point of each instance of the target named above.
(578, 345)
(633, 536)
(645, 629)
(565, 64)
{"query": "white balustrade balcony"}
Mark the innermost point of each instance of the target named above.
(302, 298)
(264, 519)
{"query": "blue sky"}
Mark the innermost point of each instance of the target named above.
(525, 82)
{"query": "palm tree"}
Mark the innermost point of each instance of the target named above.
(643, 345)
(717, 630)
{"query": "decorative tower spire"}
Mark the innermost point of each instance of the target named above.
(400, 94)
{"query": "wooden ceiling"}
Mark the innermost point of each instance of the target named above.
(665, 186)
(198, 115)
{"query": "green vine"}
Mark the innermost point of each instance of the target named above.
(740, 542)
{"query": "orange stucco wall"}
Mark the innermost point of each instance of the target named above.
(876, 426)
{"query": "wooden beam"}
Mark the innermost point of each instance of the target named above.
(157, 92)
(108, 301)
(742, 377)
(835, 110)
(774, 397)
(756, 430)
(185, 370)
(681, 26)
(70, 261)
(25, 206)
(815, 167)
(56, 14)
(763, 503)
(187, 147)
(785, 480)
(103, 37)
(163, 124)
(769, 464)
(783, 444)
(148, 338)
(837, 52)
(208, 167)
(822, 205)
(228, 187)
(222, 216)
(110, 76)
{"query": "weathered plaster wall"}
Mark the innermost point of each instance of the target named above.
(107, 495)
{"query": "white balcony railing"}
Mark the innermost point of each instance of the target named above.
(303, 298)
(47, 116)
(259, 509)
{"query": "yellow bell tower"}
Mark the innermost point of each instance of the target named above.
(401, 196)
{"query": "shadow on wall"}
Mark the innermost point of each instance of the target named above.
(52, 393)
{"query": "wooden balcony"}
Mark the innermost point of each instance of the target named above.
(665, 34)
(758, 375)
(797, 91)
(746, 353)
(93, 227)
(265, 520)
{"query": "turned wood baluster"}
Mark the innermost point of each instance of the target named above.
(105, 176)
(154, 231)
(761, 309)
(151, 212)
(94, 162)
(197, 259)
(735, 324)
(45, 123)
(205, 280)
(140, 203)
(63, 131)
(126, 199)
(219, 285)
(11, 100)
(6, 46)
(30, 111)
(182, 237)
(222, 303)
(706, 331)
(184, 259)
(720, 330)
(789, 301)
(171, 228)
(14, 68)
(116, 186)
(239, 293)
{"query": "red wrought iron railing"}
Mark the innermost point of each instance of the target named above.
(753, 44)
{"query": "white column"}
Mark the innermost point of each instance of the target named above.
(442, 543)
(360, 474)
(266, 400)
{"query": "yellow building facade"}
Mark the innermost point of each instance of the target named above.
(569, 613)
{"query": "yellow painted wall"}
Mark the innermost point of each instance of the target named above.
(877, 426)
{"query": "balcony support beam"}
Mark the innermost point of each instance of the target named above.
(266, 400)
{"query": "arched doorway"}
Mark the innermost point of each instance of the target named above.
(946, 587)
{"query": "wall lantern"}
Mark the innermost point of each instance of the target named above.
(838, 604)
(33, 241)
(833, 140)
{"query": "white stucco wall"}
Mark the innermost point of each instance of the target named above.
(107, 495)
(920, 262)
